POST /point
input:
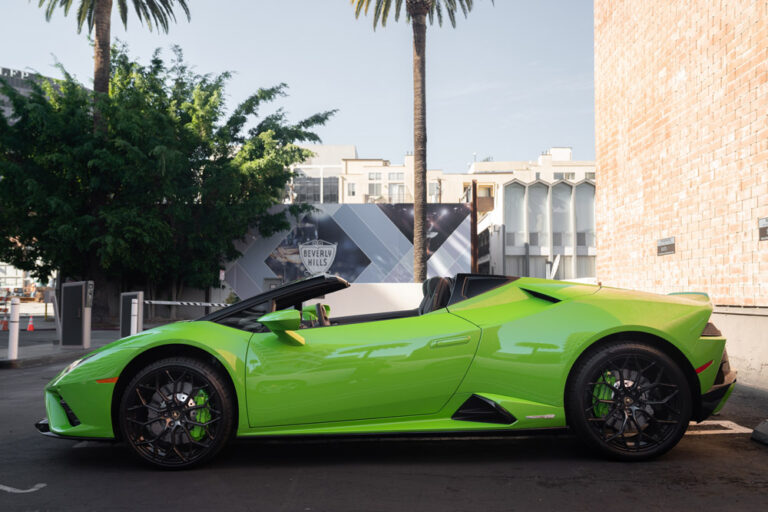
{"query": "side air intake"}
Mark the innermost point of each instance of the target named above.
(541, 296)
(483, 410)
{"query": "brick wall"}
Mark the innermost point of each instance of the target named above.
(681, 106)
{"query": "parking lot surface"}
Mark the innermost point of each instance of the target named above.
(709, 471)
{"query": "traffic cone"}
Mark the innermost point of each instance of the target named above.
(30, 325)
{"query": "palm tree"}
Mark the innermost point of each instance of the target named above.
(98, 15)
(417, 12)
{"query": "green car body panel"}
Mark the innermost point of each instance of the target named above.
(514, 345)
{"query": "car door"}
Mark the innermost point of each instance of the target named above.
(387, 368)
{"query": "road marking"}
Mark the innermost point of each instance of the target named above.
(14, 490)
(726, 427)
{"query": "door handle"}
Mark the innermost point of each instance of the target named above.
(449, 341)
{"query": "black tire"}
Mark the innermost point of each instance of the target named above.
(628, 400)
(177, 412)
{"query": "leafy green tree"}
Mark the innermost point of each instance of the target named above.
(159, 197)
(98, 15)
(416, 13)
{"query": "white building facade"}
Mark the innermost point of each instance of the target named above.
(535, 218)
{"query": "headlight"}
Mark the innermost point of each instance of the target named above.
(74, 364)
(71, 366)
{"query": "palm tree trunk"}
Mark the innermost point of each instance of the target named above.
(102, 18)
(419, 23)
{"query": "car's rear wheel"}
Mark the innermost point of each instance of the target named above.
(629, 400)
(177, 412)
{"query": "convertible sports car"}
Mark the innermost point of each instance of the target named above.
(625, 370)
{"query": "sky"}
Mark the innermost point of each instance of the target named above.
(508, 82)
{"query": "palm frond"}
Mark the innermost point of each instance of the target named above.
(158, 13)
(438, 9)
(85, 14)
(122, 10)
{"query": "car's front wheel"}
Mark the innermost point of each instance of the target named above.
(177, 412)
(629, 400)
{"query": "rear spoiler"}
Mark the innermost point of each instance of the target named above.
(698, 296)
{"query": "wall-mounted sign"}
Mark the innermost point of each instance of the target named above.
(665, 246)
(762, 228)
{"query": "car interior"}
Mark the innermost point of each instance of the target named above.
(438, 292)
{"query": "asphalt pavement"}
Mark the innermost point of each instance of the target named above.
(714, 471)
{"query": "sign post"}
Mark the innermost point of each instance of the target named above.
(134, 316)
(128, 324)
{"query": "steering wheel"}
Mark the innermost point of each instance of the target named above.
(322, 315)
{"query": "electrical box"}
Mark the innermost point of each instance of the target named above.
(76, 303)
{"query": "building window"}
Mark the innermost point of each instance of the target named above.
(306, 190)
(565, 268)
(396, 176)
(514, 213)
(584, 210)
(484, 243)
(331, 190)
(514, 265)
(585, 266)
(351, 189)
(374, 176)
(537, 215)
(561, 216)
(565, 175)
(396, 193)
(374, 189)
(485, 191)
(589, 175)
(433, 191)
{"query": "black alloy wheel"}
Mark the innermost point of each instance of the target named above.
(177, 412)
(630, 401)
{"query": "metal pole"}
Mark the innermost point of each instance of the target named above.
(13, 335)
(474, 228)
(134, 316)
(86, 327)
(57, 318)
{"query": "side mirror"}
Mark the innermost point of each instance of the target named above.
(283, 323)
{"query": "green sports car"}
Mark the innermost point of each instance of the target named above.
(626, 371)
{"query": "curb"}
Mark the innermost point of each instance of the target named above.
(30, 362)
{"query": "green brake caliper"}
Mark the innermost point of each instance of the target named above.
(603, 390)
(202, 415)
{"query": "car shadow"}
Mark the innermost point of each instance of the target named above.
(399, 450)
(333, 450)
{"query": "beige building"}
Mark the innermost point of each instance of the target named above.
(536, 218)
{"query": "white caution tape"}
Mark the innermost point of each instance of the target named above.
(186, 303)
